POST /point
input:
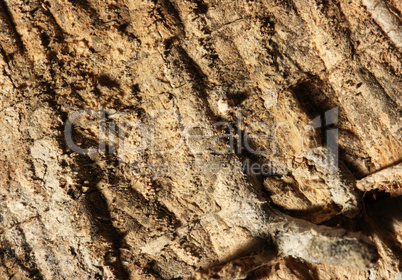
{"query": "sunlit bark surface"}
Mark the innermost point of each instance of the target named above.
(173, 139)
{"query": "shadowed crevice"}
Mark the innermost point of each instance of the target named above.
(170, 16)
(26, 264)
(97, 207)
(6, 13)
(90, 174)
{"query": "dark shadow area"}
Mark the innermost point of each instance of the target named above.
(246, 260)
(89, 174)
(6, 14)
(26, 264)
(313, 96)
(380, 213)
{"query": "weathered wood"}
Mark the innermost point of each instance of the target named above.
(297, 175)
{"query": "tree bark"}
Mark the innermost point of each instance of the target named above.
(200, 139)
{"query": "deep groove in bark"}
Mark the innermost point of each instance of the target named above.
(11, 24)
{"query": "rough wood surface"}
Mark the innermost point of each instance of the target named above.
(139, 201)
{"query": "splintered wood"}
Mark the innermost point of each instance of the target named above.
(388, 180)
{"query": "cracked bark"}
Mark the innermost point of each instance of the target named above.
(254, 65)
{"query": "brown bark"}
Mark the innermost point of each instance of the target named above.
(167, 71)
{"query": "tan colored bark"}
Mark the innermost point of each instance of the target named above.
(276, 67)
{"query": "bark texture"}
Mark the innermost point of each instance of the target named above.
(128, 208)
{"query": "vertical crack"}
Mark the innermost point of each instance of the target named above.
(11, 24)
